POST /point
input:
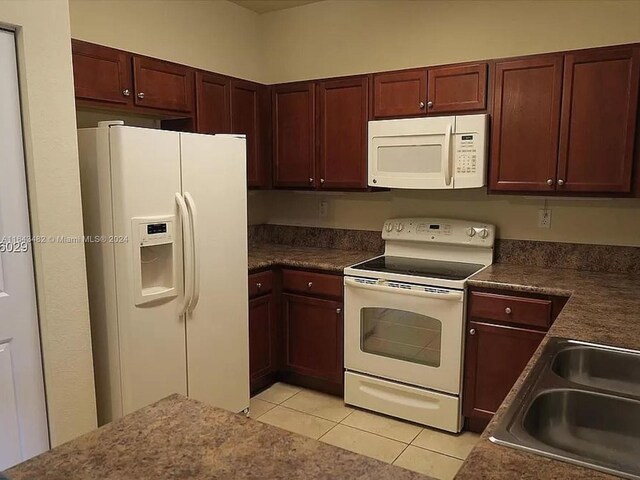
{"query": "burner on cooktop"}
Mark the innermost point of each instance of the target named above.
(420, 267)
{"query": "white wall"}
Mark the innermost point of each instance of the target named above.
(44, 63)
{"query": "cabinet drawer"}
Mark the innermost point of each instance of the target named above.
(312, 283)
(505, 308)
(260, 283)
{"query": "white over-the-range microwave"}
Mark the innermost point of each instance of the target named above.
(428, 153)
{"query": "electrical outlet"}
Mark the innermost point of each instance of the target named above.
(544, 218)
(324, 208)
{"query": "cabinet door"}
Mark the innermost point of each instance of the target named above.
(342, 133)
(457, 89)
(245, 118)
(212, 103)
(599, 108)
(494, 359)
(398, 94)
(526, 122)
(263, 338)
(163, 85)
(293, 135)
(313, 336)
(101, 74)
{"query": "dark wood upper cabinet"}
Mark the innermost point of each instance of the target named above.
(313, 337)
(212, 103)
(495, 356)
(599, 108)
(457, 89)
(245, 118)
(163, 85)
(342, 133)
(293, 135)
(101, 74)
(526, 122)
(398, 94)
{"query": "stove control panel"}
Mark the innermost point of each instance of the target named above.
(438, 230)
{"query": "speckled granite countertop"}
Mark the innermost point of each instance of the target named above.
(602, 308)
(178, 438)
(330, 259)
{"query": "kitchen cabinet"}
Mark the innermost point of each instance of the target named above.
(503, 331)
(163, 85)
(294, 135)
(400, 94)
(101, 75)
(598, 123)
(460, 88)
(263, 331)
(313, 332)
(343, 114)
(212, 103)
(566, 123)
(438, 90)
(526, 122)
(248, 108)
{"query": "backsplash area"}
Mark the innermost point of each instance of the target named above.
(597, 258)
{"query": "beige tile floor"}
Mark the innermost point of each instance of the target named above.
(328, 419)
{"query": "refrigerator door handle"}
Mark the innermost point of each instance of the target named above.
(191, 205)
(188, 253)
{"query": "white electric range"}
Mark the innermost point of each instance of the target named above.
(404, 319)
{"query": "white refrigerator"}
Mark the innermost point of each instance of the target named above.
(166, 244)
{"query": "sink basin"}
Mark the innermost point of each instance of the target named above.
(579, 404)
(605, 369)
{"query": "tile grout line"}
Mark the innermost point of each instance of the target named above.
(398, 456)
(439, 453)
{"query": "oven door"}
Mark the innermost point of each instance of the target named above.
(404, 332)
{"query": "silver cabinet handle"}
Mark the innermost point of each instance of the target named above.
(141, 95)
(126, 92)
(507, 311)
(472, 331)
(322, 180)
(310, 284)
(338, 311)
(430, 104)
(310, 180)
(421, 105)
(550, 181)
(258, 285)
(560, 182)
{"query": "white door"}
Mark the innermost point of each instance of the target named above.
(404, 332)
(23, 420)
(214, 186)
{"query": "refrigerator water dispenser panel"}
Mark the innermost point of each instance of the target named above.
(155, 259)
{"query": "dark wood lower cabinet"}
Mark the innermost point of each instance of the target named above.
(313, 332)
(263, 341)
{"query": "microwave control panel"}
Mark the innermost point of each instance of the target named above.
(466, 153)
(469, 151)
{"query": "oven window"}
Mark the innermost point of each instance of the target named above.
(401, 335)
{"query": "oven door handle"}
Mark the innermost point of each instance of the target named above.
(417, 293)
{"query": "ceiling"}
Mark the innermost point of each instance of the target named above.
(263, 6)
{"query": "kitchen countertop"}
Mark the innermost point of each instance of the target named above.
(603, 308)
(185, 439)
(265, 255)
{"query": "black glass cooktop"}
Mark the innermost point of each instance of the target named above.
(420, 267)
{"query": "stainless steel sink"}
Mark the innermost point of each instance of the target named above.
(579, 404)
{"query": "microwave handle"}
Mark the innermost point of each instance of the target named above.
(447, 154)
(417, 293)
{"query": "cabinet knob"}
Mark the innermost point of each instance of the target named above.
(472, 331)
(322, 180)
(550, 181)
(338, 311)
(430, 104)
(126, 92)
(375, 181)
(310, 180)
(421, 105)
(310, 284)
(141, 95)
(560, 182)
(258, 285)
(507, 311)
